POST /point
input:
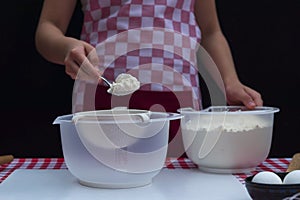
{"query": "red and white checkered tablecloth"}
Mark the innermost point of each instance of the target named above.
(270, 164)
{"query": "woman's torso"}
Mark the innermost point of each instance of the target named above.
(154, 40)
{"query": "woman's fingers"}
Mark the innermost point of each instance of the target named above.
(80, 66)
(255, 96)
(71, 68)
(241, 94)
(92, 55)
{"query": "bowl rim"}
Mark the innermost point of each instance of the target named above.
(165, 116)
(229, 110)
(113, 112)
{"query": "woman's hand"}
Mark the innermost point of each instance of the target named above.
(239, 94)
(81, 61)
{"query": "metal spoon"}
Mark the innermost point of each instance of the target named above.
(106, 81)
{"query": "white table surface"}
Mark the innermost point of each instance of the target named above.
(169, 184)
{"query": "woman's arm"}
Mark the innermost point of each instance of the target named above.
(52, 26)
(216, 45)
(54, 46)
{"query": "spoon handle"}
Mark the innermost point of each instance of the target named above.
(106, 81)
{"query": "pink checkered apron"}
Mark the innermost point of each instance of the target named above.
(153, 40)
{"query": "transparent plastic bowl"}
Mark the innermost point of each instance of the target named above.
(115, 149)
(227, 139)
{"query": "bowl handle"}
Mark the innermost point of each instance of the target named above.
(57, 120)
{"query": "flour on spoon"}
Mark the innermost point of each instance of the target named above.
(124, 84)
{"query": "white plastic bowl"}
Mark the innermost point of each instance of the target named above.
(227, 139)
(95, 156)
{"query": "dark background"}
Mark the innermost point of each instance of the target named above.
(263, 35)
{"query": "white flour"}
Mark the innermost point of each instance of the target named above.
(125, 84)
(233, 123)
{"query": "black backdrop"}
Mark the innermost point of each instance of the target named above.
(263, 35)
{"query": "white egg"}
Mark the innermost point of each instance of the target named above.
(267, 177)
(292, 177)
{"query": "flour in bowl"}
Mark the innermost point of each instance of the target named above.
(124, 84)
(229, 123)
